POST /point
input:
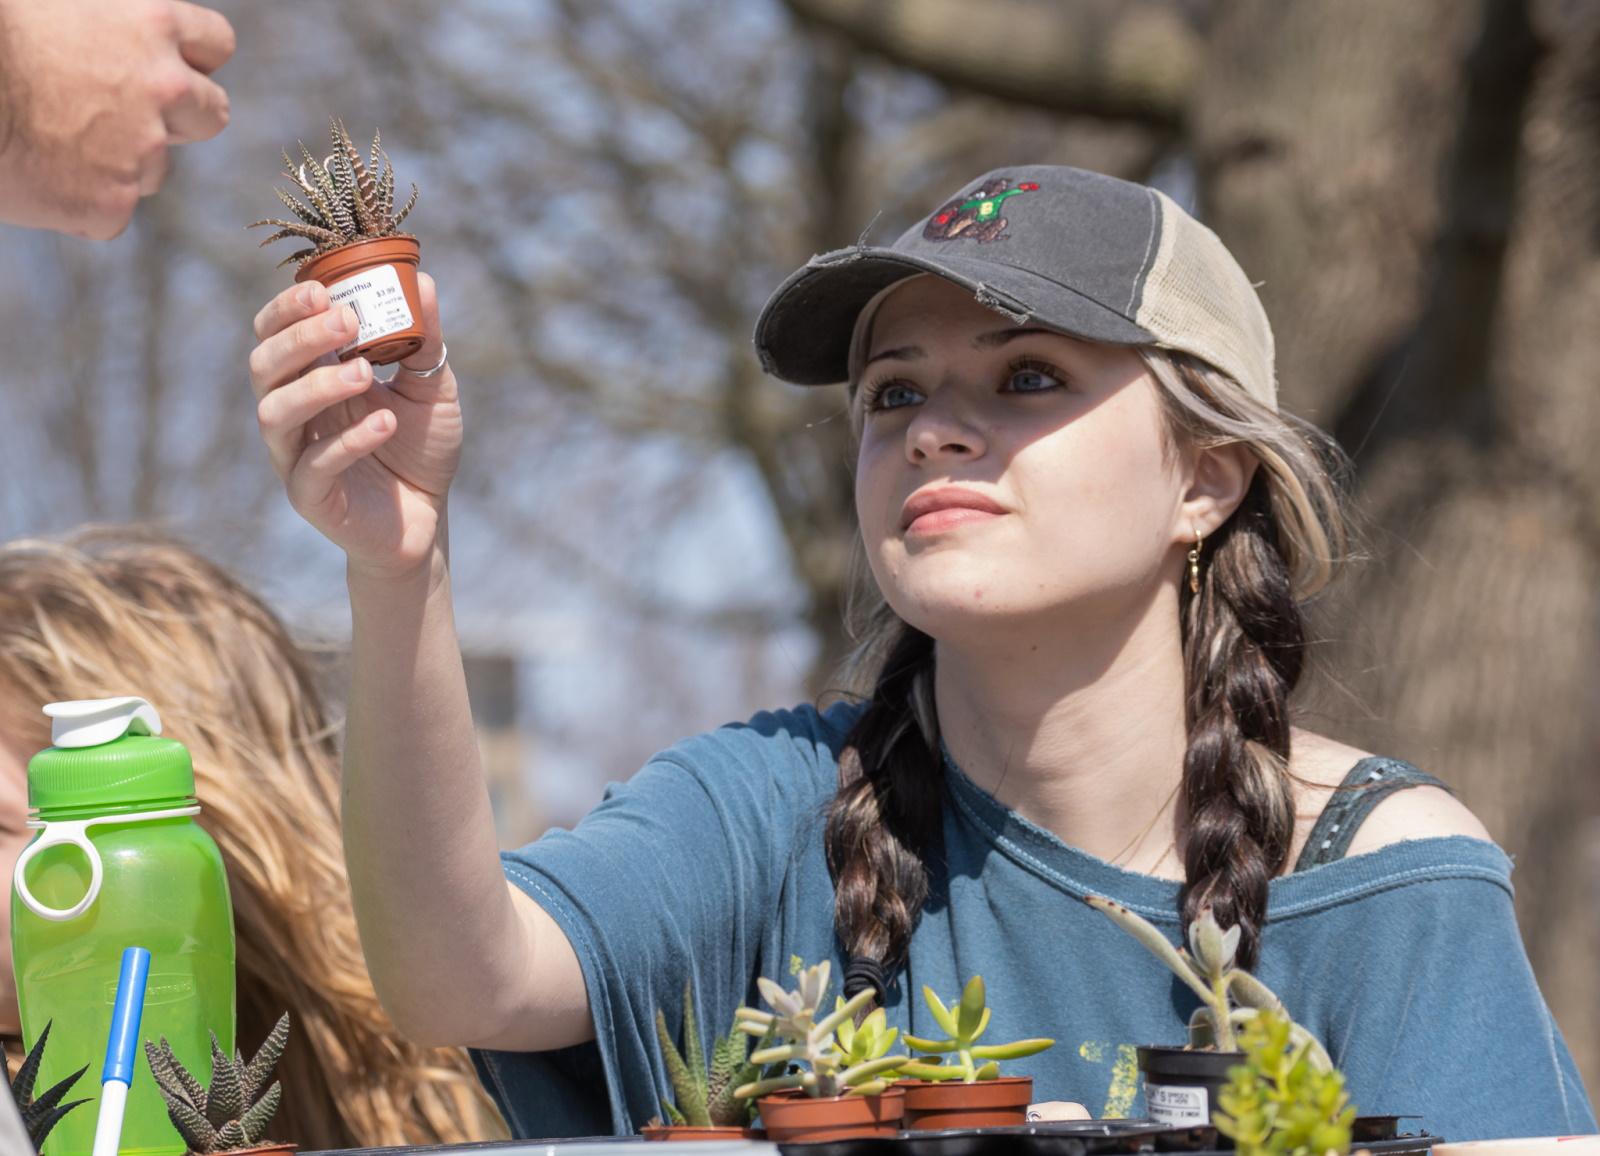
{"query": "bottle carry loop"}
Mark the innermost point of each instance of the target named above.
(76, 832)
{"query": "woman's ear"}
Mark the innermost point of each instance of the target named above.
(1219, 478)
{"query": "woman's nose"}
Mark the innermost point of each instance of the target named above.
(941, 428)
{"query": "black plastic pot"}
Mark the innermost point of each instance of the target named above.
(1181, 1086)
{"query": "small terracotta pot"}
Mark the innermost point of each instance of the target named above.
(671, 1132)
(378, 279)
(792, 1117)
(998, 1103)
(268, 1149)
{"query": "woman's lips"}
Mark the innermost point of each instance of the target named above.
(933, 511)
(948, 519)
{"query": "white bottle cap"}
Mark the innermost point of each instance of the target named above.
(90, 722)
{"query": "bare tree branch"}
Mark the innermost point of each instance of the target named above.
(1133, 59)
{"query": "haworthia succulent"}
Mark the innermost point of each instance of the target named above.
(347, 198)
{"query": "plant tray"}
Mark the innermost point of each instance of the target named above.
(1379, 1135)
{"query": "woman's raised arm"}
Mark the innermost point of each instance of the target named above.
(456, 955)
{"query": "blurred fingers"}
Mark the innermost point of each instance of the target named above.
(200, 112)
(283, 414)
(1057, 1110)
(316, 474)
(205, 38)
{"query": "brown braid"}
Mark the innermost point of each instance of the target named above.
(884, 821)
(1244, 649)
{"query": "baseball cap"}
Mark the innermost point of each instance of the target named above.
(1089, 255)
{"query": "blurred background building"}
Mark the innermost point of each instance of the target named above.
(651, 539)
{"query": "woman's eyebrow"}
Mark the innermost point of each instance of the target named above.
(901, 353)
(1001, 336)
(992, 340)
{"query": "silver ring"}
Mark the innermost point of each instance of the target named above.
(444, 355)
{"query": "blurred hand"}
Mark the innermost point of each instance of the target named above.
(367, 464)
(91, 94)
(1057, 1110)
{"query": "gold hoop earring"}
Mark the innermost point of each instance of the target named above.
(1194, 563)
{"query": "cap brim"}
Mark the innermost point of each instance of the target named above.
(803, 333)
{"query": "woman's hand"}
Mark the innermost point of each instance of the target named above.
(367, 464)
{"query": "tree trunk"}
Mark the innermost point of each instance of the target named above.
(1432, 280)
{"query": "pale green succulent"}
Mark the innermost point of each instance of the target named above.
(1208, 968)
(963, 1021)
(852, 1062)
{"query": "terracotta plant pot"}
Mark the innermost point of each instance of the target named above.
(378, 279)
(936, 1104)
(1181, 1085)
(792, 1117)
(671, 1132)
(268, 1149)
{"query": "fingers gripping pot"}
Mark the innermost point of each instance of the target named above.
(119, 860)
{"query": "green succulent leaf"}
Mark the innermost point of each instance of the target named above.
(258, 1071)
(261, 1112)
(917, 1043)
(690, 1091)
(920, 1070)
(970, 1018)
(1012, 1051)
(1251, 992)
(1147, 934)
(193, 1126)
(941, 1014)
(226, 1099)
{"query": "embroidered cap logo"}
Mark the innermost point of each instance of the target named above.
(975, 217)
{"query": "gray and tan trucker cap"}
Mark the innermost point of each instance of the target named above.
(1087, 254)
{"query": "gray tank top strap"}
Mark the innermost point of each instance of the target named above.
(1369, 783)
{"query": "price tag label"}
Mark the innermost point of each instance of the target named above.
(378, 301)
(1178, 1106)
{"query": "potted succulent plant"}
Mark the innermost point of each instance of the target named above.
(1182, 1084)
(969, 1092)
(706, 1107)
(232, 1113)
(40, 1115)
(1279, 1102)
(839, 1087)
(358, 251)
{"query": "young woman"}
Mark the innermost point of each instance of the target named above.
(107, 612)
(1093, 533)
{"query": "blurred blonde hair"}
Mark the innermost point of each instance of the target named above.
(111, 611)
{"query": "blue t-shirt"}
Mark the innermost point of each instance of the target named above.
(709, 865)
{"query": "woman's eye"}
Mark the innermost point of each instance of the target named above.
(1033, 379)
(892, 395)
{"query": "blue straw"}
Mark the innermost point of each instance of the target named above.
(121, 1049)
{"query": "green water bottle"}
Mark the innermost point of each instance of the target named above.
(119, 861)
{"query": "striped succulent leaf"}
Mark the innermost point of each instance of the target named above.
(233, 1113)
(347, 198)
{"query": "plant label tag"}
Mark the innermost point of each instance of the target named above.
(378, 301)
(1178, 1106)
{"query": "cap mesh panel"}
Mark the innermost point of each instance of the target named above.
(1197, 299)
